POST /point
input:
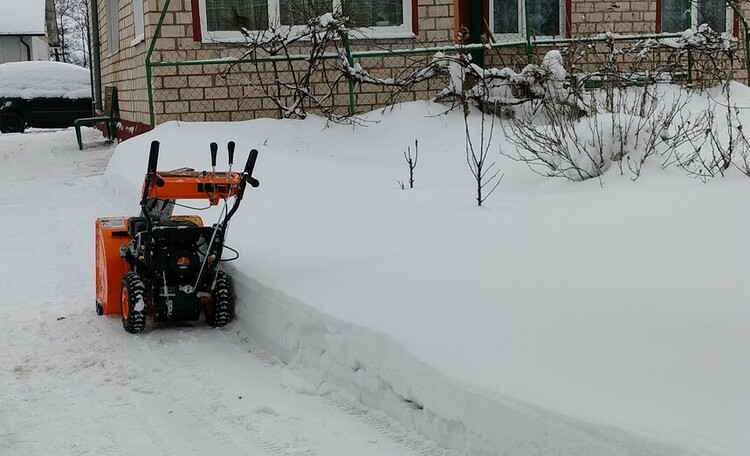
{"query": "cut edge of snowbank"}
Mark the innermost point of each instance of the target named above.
(383, 375)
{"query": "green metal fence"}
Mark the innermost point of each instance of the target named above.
(234, 96)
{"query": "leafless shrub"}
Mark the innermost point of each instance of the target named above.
(557, 148)
(290, 87)
(411, 161)
(477, 157)
(720, 146)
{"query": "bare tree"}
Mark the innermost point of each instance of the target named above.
(73, 29)
(411, 162)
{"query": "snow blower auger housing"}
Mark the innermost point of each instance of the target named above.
(165, 266)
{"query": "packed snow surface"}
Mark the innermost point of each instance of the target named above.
(607, 317)
(74, 383)
(44, 80)
(22, 17)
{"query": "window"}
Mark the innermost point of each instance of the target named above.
(677, 15)
(138, 22)
(113, 26)
(541, 17)
(221, 20)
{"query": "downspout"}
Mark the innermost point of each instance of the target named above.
(26, 45)
(149, 88)
(96, 64)
(476, 28)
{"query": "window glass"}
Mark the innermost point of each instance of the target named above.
(713, 13)
(298, 12)
(505, 16)
(236, 14)
(138, 18)
(374, 13)
(544, 17)
(113, 26)
(674, 16)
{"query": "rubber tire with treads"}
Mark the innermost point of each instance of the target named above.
(219, 312)
(133, 292)
(12, 122)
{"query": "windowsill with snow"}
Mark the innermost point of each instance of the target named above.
(606, 317)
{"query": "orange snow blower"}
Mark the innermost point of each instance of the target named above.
(165, 266)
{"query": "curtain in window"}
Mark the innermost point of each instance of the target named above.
(298, 12)
(231, 15)
(543, 17)
(374, 13)
(505, 14)
(713, 13)
(674, 14)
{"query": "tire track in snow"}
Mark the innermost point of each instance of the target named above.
(385, 426)
(242, 432)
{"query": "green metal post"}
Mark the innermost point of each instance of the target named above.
(149, 88)
(529, 46)
(350, 60)
(689, 16)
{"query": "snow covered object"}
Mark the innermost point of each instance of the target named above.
(167, 267)
(42, 95)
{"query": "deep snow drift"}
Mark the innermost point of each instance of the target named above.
(74, 383)
(593, 318)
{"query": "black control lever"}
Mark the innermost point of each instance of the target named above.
(249, 166)
(214, 150)
(153, 160)
(153, 157)
(230, 148)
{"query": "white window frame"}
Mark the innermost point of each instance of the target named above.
(113, 26)
(387, 32)
(138, 26)
(522, 23)
(729, 14)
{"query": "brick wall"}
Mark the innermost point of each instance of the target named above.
(125, 68)
(201, 93)
(208, 93)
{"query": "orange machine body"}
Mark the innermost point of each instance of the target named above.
(195, 185)
(111, 233)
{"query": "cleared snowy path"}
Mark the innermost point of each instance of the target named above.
(76, 384)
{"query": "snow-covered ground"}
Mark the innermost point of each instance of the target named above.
(594, 318)
(74, 383)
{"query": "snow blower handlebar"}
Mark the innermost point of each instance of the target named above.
(151, 176)
(187, 183)
(249, 167)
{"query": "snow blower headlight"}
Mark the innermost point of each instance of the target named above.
(183, 263)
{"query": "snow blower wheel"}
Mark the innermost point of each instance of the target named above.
(133, 302)
(165, 266)
(219, 310)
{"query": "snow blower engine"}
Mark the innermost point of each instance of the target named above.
(167, 266)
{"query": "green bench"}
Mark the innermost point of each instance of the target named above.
(110, 101)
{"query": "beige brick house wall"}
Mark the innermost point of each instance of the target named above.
(207, 93)
(125, 68)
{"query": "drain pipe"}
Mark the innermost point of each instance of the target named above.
(96, 65)
(26, 45)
